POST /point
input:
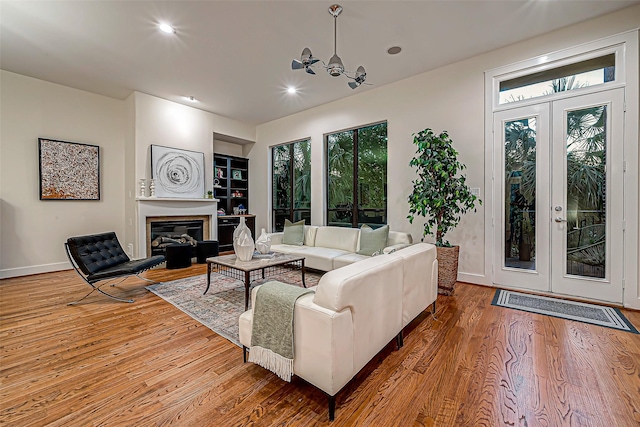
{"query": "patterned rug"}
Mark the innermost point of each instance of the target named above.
(571, 310)
(223, 304)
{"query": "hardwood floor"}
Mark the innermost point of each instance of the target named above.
(116, 364)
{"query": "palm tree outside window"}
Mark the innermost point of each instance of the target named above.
(291, 180)
(357, 176)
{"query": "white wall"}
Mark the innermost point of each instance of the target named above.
(161, 122)
(32, 231)
(449, 98)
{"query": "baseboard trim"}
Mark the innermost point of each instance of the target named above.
(476, 279)
(33, 269)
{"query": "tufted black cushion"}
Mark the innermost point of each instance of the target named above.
(131, 267)
(97, 252)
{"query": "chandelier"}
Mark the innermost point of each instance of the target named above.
(334, 67)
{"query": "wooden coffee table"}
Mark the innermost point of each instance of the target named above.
(256, 268)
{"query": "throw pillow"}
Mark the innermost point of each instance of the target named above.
(293, 233)
(372, 241)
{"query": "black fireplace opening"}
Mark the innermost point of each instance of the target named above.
(165, 233)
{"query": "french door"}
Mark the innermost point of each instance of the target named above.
(558, 179)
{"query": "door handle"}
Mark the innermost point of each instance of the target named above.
(558, 219)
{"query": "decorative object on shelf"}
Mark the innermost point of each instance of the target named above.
(219, 173)
(143, 187)
(210, 194)
(442, 196)
(335, 67)
(221, 212)
(263, 243)
(236, 210)
(236, 174)
(69, 170)
(179, 173)
(236, 194)
(152, 188)
(227, 200)
(241, 209)
(243, 242)
(216, 183)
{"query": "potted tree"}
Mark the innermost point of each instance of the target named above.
(441, 196)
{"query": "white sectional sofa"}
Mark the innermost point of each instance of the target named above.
(354, 313)
(327, 248)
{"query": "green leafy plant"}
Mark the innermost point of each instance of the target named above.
(439, 194)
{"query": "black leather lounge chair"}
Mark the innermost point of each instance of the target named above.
(99, 257)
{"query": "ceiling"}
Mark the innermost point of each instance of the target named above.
(235, 57)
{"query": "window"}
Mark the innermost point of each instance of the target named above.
(291, 180)
(357, 176)
(590, 72)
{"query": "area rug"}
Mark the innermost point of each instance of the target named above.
(223, 304)
(571, 310)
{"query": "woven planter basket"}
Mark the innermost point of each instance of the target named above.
(447, 269)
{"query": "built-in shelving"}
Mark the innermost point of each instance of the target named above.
(232, 190)
(231, 182)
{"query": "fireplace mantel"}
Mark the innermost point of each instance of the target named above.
(173, 199)
(166, 207)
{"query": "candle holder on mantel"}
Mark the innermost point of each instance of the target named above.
(152, 188)
(143, 187)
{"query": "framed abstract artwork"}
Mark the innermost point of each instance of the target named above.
(68, 170)
(177, 173)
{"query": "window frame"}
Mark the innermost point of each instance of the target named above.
(355, 178)
(495, 77)
(292, 209)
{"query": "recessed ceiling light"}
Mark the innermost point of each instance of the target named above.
(394, 50)
(166, 28)
(292, 89)
(191, 99)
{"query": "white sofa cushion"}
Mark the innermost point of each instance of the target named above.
(343, 238)
(347, 259)
(397, 237)
(320, 258)
(310, 235)
(288, 249)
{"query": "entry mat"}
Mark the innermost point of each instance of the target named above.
(571, 310)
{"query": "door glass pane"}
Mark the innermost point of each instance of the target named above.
(520, 193)
(586, 190)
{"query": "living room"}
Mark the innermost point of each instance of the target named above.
(451, 97)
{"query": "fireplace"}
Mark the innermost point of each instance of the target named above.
(165, 230)
(165, 233)
(150, 210)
